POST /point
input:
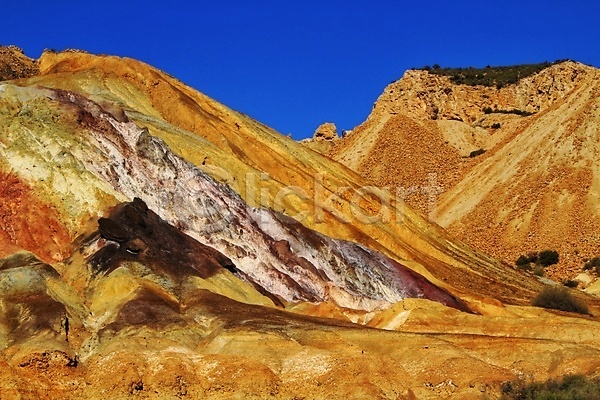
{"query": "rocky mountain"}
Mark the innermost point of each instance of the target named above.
(15, 64)
(266, 169)
(515, 169)
(157, 244)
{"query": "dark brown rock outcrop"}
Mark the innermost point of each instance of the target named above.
(15, 65)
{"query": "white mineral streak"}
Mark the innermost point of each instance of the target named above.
(137, 164)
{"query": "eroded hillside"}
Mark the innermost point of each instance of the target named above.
(270, 170)
(14, 64)
(514, 169)
(178, 249)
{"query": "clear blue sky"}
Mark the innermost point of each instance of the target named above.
(295, 64)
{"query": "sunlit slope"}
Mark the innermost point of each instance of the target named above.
(516, 167)
(271, 170)
(158, 329)
(80, 157)
(157, 281)
(539, 189)
(49, 198)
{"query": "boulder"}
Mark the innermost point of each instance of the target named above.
(326, 132)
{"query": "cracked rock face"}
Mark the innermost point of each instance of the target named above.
(326, 132)
(420, 94)
(15, 65)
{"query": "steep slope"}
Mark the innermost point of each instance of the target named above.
(532, 185)
(14, 64)
(420, 94)
(19, 205)
(405, 156)
(546, 187)
(272, 171)
(177, 269)
(128, 318)
(97, 157)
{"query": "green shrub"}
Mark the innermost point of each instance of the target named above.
(523, 113)
(533, 257)
(548, 257)
(490, 76)
(525, 267)
(536, 262)
(496, 125)
(530, 258)
(568, 388)
(558, 298)
(594, 264)
(570, 283)
(522, 260)
(476, 153)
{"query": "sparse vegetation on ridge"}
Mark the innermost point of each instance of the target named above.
(490, 76)
(567, 388)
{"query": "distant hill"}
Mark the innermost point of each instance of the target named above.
(517, 166)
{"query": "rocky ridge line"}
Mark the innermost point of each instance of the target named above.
(422, 95)
(14, 64)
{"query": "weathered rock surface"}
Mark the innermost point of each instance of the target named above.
(19, 206)
(422, 95)
(506, 184)
(133, 163)
(264, 167)
(154, 332)
(177, 270)
(326, 131)
(323, 139)
(14, 64)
